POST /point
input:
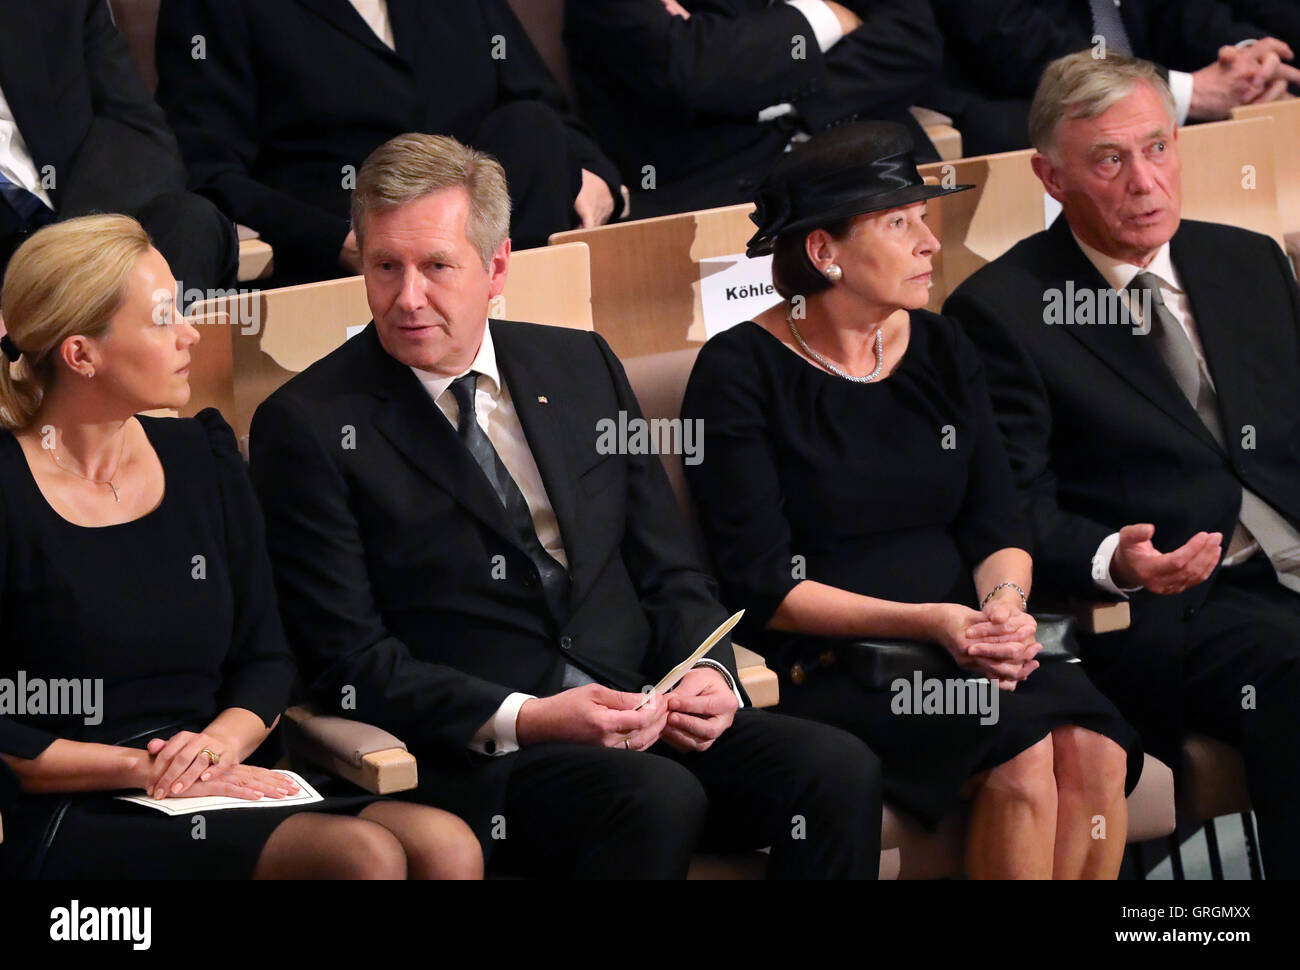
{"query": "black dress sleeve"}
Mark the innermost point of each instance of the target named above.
(736, 486)
(991, 517)
(259, 672)
(16, 739)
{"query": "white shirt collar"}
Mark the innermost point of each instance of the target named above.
(1119, 273)
(485, 362)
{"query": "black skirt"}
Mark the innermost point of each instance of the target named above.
(927, 758)
(96, 836)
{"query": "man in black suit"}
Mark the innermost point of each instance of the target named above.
(462, 561)
(996, 50)
(1144, 371)
(274, 131)
(80, 134)
(696, 100)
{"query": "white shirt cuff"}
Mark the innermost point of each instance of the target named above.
(1101, 567)
(1181, 83)
(825, 25)
(499, 735)
(775, 111)
(726, 674)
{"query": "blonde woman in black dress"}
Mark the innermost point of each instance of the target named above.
(131, 553)
(855, 487)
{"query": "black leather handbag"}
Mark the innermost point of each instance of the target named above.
(878, 663)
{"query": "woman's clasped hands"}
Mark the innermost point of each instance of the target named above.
(998, 642)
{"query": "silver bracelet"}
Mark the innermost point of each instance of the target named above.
(1024, 600)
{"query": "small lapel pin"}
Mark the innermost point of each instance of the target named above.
(541, 399)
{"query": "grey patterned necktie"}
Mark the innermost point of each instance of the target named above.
(1106, 20)
(1171, 340)
(554, 577)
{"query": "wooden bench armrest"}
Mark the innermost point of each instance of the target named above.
(759, 681)
(939, 129)
(256, 260)
(362, 753)
(1100, 617)
(946, 140)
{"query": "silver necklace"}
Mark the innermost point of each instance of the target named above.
(109, 481)
(839, 372)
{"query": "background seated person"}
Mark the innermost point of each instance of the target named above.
(274, 132)
(996, 50)
(1278, 18)
(709, 93)
(79, 133)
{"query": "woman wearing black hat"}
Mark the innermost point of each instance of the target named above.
(856, 490)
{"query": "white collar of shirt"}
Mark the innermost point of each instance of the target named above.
(375, 13)
(485, 363)
(1119, 273)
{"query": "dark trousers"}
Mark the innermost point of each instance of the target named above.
(1241, 684)
(529, 140)
(198, 242)
(992, 125)
(809, 791)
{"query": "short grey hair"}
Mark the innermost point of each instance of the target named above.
(1082, 85)
(411, 166)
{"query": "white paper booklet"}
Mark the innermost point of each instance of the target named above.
(215, 803)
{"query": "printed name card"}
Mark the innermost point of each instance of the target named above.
(735, 288)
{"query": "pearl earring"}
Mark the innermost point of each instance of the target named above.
(834, 273)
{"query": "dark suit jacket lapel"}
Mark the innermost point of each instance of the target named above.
(1133, 357)
(409, 27)
(545, 426)
(417, 428)
(25, 77)
(344, 16)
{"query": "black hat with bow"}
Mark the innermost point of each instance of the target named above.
(844, 171)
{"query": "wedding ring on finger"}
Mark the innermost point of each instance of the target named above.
(213, 757)
(627, 743)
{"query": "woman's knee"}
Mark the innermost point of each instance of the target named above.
(1028, 777)
(1089, 762)
(457, 854)
(362, 849)
(439, 845)
(313, 845)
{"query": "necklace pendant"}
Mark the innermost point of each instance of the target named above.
(116, 498)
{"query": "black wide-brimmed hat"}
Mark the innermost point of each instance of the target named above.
(844, 171)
